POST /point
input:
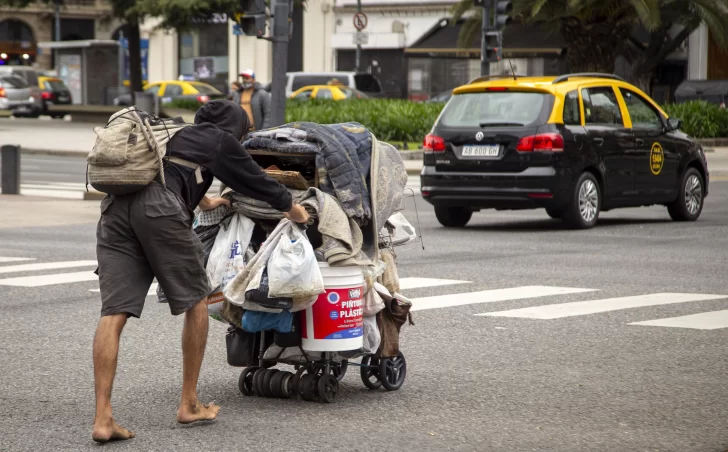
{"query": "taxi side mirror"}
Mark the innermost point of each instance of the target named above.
(673, 124)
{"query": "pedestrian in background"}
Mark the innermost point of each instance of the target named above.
(234, 88)
(255, 100)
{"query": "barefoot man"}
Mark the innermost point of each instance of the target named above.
(149, 234)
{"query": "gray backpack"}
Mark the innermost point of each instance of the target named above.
(130, 151)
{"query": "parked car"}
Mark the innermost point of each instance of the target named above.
(53, 92)
(333, 92)
(171, 90)
(15, 95)
(366, 83)
(576, 145)
(30, 75)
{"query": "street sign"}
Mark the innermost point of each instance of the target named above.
(360, 21)
(361, 38)
(237, 31)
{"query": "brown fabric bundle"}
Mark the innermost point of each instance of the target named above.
(389, 322)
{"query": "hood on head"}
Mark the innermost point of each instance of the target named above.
(226, 115)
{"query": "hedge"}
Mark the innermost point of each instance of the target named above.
(396, 120)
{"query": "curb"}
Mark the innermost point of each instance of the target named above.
(57, 152)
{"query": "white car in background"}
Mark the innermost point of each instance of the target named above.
(15, 95)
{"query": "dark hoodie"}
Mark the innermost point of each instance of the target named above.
(214, 143)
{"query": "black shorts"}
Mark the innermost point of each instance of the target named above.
(145, 235)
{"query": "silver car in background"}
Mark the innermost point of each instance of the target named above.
(15, 95)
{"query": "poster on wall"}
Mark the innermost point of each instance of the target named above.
(70, 73)
(204, 68)
(144, 47)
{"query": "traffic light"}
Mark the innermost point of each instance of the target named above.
(503, 9)
(252, 17)
(493, 46)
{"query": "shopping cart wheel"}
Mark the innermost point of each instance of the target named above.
(245, 382)
(340, 370)
(392, 372)
(370, 372)
(307, 387)
(328, 388)
(258, 381)
(267, 378)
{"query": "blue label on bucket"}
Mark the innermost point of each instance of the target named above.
(347, 334)
(334, 315)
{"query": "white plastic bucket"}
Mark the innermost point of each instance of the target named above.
(334, 323)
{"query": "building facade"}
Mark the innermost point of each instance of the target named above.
(22, 29)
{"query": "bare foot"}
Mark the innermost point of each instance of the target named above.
(198, 412)
(110, 431)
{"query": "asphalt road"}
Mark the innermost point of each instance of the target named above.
(590, 382)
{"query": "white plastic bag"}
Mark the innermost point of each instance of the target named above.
(292, 267)
(227, 257)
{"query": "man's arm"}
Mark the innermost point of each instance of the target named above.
(208, 203)
(236, 169)
(266, 105)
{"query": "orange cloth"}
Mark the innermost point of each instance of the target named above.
(245, 98)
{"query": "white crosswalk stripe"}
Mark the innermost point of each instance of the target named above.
(558, 311)
(491, 296)
(713, 320)
(44, 266)
(703, 321)
(49, 280)
(5, 260)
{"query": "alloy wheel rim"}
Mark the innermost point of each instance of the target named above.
(693, 194)
(588, 200)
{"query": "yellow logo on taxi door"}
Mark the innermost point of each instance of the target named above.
(657, 158)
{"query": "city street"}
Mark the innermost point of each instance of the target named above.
(496, 361)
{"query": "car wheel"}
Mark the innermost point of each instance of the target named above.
(554, 213)
(586, 202)
(453, 217)
(689, 203)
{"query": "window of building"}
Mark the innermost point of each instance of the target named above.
(203, 53)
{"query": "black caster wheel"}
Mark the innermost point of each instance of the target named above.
(266, 380)
(370, 372)
(392, 372)
(340, 370)
(258, 382)
(307, 387)
(328, 388)
(281, 384)
(245, 382)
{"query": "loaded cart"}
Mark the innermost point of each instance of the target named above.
(318, 296)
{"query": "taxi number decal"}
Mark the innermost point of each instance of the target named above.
(657, 158)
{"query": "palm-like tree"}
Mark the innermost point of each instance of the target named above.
(597, 31)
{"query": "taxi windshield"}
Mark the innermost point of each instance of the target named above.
(497, 108)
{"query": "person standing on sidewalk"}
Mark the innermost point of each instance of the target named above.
(148, 234)
(255, 100)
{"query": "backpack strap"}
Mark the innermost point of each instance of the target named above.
(198, 169)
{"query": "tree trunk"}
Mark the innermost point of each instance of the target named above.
(593, 45)
(135, 58)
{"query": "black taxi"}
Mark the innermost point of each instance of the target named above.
(576, 145)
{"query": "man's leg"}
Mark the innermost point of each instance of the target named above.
(194, 340)
(106, 351)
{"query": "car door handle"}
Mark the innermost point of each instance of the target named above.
(640, 141)
(599, 141)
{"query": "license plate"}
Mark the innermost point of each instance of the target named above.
(486, 150)
(62, 99)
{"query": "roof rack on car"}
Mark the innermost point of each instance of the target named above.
(485, 78)
(566, 77)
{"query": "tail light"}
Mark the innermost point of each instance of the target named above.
(543, 142)
(433, 143)
(203, 99)
(2, 92)
(46, 95)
